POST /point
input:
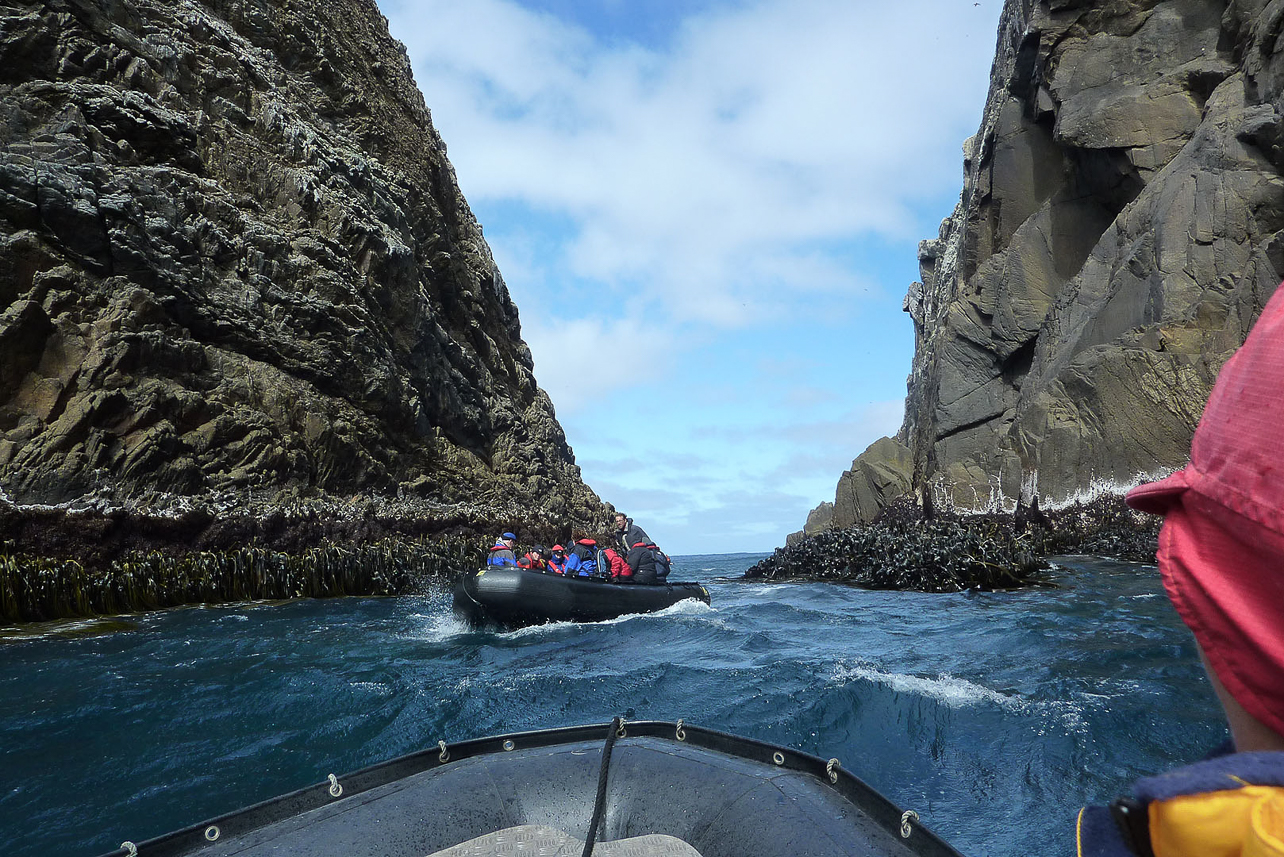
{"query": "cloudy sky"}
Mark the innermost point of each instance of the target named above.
(707, 212)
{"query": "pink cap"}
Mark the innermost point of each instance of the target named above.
(1221, 549)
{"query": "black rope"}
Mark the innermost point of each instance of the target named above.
(599, 803)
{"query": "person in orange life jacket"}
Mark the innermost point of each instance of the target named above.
(501, 553)
(534, 560)
(628, 533)
(1221, 556)
(611, 561)
(581, 560)
(557, 560)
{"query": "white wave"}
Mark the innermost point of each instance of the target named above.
(685, 607)
(438, 627)
(954, 692)
(537, 630)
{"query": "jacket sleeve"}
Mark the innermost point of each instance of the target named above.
(1097, 835)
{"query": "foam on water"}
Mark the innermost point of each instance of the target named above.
(437, 627)
(954, 692)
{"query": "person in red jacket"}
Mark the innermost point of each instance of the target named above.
(612, 563)
(534, 559)
(1221, 556)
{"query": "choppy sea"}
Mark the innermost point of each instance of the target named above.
(994, 715)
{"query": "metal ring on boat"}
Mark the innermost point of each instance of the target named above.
(681, 733)
(831, 768)
(906, 817)
(335, 788)
(445, 754)
(129, 848)
(212, 832)
(509, 745)
(778, 757)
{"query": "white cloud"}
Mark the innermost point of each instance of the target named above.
(579, 361)
(698, 231)
(705, 171)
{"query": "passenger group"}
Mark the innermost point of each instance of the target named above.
(633, 558)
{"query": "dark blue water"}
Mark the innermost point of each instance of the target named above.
(994, 715)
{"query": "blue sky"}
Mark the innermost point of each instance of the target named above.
(708, 214)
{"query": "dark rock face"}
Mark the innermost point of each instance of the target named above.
(1118, 232)
(235, 269)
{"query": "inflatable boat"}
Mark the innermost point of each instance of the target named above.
(647, 789)
(512, 597)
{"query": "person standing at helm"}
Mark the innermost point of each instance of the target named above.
(627, 533)
(1221, 556)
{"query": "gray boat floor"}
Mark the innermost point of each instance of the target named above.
(533, 840)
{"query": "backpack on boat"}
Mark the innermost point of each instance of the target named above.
(662, 563)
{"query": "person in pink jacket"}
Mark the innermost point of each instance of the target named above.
(1221, 556)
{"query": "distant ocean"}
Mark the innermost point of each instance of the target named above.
(994, 715)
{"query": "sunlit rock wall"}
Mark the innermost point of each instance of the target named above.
(1117, 234)
(235, 267)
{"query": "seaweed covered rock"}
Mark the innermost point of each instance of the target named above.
(907, 552)
(902, 549)
(1104, 526)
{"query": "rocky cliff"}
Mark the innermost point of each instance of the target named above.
(1118, 232)
(236, 273)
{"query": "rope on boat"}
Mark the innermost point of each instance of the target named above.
(681, 734)
(906, 817)
(599, 803)
(831, 768)
(445, 754)
(129, 848)
(335, 788)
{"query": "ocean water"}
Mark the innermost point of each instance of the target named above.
(994, 715)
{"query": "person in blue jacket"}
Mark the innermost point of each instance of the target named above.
(581, 559)
(501, 553)
(1221, 556)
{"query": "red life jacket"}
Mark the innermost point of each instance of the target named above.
(619, 568)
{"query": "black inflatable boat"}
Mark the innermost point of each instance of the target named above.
(513, 597)
(648, 789)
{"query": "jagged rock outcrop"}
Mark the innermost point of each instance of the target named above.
(1118, 232)
(236, 269)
